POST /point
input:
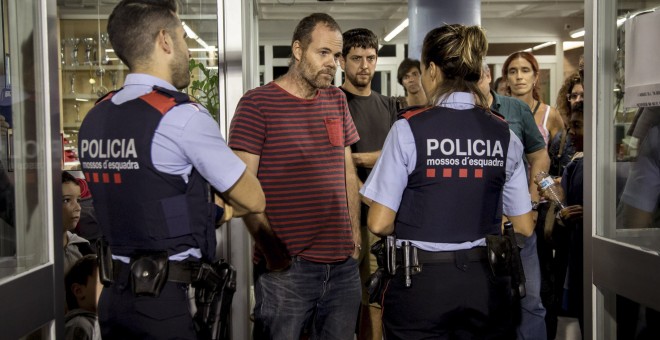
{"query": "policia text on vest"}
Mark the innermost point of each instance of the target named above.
(457, 147)
(109, 148)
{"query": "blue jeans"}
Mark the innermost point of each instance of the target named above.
(320, 299)
(532, 323)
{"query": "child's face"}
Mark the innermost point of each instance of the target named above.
(70, 205)
(88, 295)
(577, 131)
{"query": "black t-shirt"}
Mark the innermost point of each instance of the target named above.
(373, 117)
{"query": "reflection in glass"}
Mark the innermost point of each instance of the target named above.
(104, 44)
(113, 79)
(29, 231)
(72, 82)
(634, 320)
(90, 47)
(636, 138)
(71, 45)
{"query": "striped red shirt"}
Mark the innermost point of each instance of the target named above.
(301, 169)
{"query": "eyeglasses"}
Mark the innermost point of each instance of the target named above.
(574, 96)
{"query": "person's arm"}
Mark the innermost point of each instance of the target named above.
(555, 123)
(389, 178)
(523, 224)
(258, 226)
(538, 161)
(516, 199)
(534, 145)
(366, 159)
(634, 218)
(246, 196)
(572, 215)
(353, 198)
(365, 200)
(380, 219)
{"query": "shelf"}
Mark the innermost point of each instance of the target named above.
(88, 97)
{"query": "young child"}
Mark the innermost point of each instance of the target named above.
(83, 289)
(74, 246)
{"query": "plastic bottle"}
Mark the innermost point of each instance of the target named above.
(553, 190)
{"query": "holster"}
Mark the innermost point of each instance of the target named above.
(149, 273)
(104, 256)
(504, 259)
(385, 252)
(215, 285)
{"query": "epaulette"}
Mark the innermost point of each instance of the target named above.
(164, 100)
(497, 114)
(106, 96)
(412, 111)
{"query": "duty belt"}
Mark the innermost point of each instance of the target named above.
(473, 255)
(178, 271)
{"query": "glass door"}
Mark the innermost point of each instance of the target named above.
(622, 171)
(31, 279)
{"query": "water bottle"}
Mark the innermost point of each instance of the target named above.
(553, 190)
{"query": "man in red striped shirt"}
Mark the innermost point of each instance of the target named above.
(295, 135)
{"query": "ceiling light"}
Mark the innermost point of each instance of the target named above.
(397, 30)
(577, 33)
(619, 21)
(192, 35)
(540, 46)
(569, 45)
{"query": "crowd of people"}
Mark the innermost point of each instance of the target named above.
(342, 189)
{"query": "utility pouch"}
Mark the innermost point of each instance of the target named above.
(376, 282)
(149, 273)
(517, 272)
(504, 259)
(499, 253)
(215, 285)
(375, 285)
(104, 257)
(390, 255)
(378, 250)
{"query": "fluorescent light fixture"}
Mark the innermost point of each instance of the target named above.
(208, 49)
(397, 30)
(577, 33)
(569, 45)
(619, 21)
(82, 100)
(540, 46)
(192, 35)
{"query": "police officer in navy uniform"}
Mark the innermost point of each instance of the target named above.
(149, 155)
(446, 175)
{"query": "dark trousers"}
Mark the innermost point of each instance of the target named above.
(309, 299)
(449, 301)
(122, 315)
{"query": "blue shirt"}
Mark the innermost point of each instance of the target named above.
(186, 137)
(521, 121)
(398, 158)
(643, 185)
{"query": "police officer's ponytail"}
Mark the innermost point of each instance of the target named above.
(458, 51)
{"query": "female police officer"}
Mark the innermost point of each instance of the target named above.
(446, 175)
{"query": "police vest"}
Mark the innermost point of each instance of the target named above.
(454, 194)
(137, 206)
